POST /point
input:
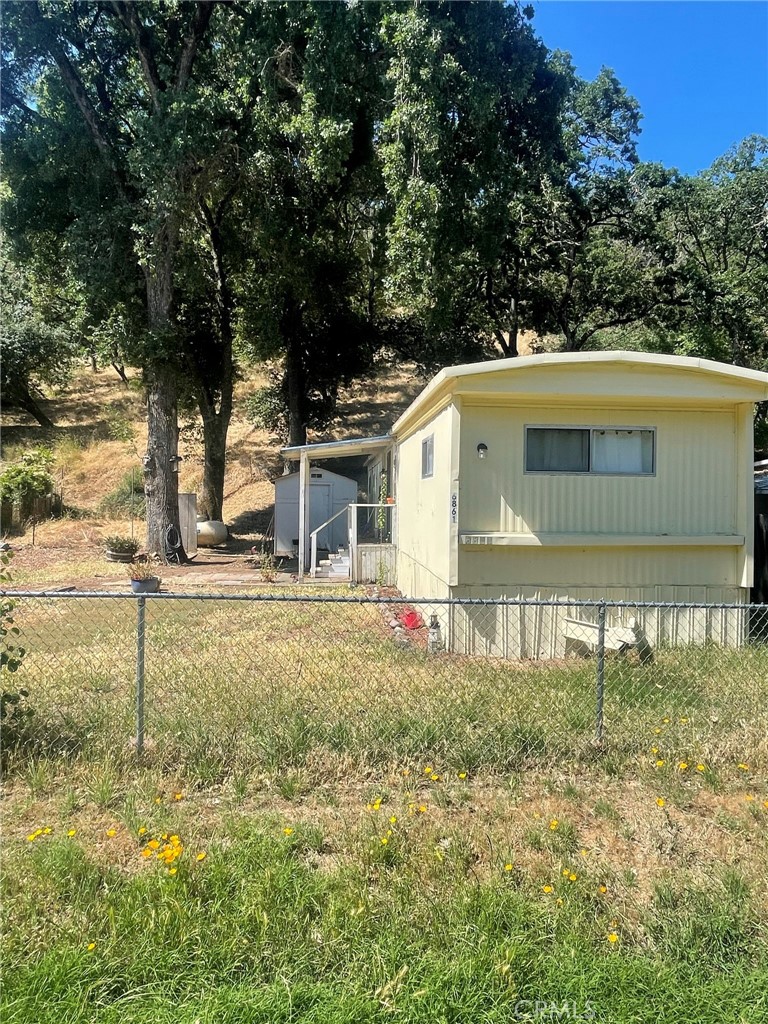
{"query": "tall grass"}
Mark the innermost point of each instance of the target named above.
(255, 932)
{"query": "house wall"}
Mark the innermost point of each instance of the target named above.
(693, 491)
(424, 550)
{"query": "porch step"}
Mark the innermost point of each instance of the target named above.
(334, 567)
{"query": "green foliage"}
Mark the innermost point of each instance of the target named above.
(15, 713)
(121, 545)
(127, 498)
(29, 477)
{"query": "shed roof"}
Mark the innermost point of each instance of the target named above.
(612, 377)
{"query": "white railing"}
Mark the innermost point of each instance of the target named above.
(313, 539)
(351, 511)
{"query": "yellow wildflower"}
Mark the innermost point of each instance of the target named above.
(566, 872)
(393, 819)
(142, 831)
(572, 877)
(613, 937)
(654, 750)
(553, 824)
(701, 767)
(178, 796)
(547, 888)
(91, 946)
(146, 852)
(683, 766)
(660, 801)
(72, 832)
(435, 778)
(384, 840)
(659, 764)
(111, 832)
(743, 767)
(462, 775)
(201, 856)
(422, 808)
(603, 889)
(172, 871)
(428, 769)
(508, 867)
(153, 844)
(559, 901)
(287, 831)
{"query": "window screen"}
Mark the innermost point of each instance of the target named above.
(428, 456)
(557, 450)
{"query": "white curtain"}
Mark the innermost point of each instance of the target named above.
(622, 451)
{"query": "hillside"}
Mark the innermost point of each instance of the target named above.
(100, 436)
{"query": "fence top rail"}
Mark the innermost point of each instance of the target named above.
(472, 602)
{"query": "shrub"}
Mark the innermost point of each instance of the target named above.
(127, 497)
(29, 477)
(121, 545)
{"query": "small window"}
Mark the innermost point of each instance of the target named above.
(428, 456)
(557, 450)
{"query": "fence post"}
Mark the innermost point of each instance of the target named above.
(140, 629)
(600, 674)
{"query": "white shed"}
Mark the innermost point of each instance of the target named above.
(329, 493)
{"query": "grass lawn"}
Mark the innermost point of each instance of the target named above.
(326, 827)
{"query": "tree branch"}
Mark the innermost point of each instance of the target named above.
(79, 95)
(192, 40)
(127, 14)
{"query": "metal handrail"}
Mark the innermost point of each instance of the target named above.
(313, 539)
(352, 531)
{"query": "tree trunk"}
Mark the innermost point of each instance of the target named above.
(216, 423)
(296, 391)
(215, 445)
(161, 481)
(161, 465)
(23, 397)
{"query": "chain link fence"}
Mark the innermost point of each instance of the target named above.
(277, 681)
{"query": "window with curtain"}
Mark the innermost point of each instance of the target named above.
(557, 450)
(623, 451)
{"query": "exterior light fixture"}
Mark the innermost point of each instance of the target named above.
(482, 450)
(174, 461)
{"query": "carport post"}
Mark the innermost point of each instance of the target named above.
(600, 673)
(303, 512)
(140, 624)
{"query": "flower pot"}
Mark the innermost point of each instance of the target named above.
(119, 556)
(150, 586)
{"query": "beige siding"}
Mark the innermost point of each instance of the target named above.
(538, 631)
(423, 510)
(512, 567)
(693, 491)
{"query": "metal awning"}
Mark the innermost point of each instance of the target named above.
(338, 449)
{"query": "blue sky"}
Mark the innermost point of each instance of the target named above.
(698, 68)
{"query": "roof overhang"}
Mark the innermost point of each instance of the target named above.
(338, 449)
(515, 379)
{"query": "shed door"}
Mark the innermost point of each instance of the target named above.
(319, 512)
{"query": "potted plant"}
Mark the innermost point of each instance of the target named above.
(121, 549)
(144, 579)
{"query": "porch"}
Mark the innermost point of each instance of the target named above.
(371, 527)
